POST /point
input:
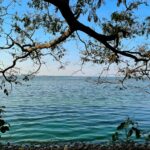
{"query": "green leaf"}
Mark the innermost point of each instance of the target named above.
(115, 136)
(6, 91)
(2, 122)
(137, 132)
(148, 137)
(130, 133)
(121, 126)
(3, 129)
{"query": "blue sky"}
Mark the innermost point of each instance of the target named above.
(72, 57)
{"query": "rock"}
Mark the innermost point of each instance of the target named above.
(8, 144)
(66, 147)
(77, 146)
(27, 147)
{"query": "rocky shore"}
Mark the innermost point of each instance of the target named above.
(78, 146)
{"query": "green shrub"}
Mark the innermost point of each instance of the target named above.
(126, 130)
(4, 126)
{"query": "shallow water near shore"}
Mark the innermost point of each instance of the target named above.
(51, 109)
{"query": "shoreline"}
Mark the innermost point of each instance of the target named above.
(78, 146)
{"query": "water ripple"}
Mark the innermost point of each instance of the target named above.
(66, 109)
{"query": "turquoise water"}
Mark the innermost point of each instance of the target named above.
(52, 109)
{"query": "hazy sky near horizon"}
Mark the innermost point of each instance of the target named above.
(72, 58)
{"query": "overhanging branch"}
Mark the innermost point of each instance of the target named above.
(52, 43)
(75, 25)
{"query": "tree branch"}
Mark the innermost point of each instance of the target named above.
(75, 25)
(50, 44)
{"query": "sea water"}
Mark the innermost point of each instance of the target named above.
(51, 109)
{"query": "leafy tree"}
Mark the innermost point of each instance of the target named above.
(62, 21)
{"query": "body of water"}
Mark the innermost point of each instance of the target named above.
(51, 109)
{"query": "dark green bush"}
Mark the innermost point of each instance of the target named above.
(4, 126)
(126, 130)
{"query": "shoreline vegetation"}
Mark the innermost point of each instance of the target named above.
(78, 146)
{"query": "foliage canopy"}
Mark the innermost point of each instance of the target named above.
(59, 22)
